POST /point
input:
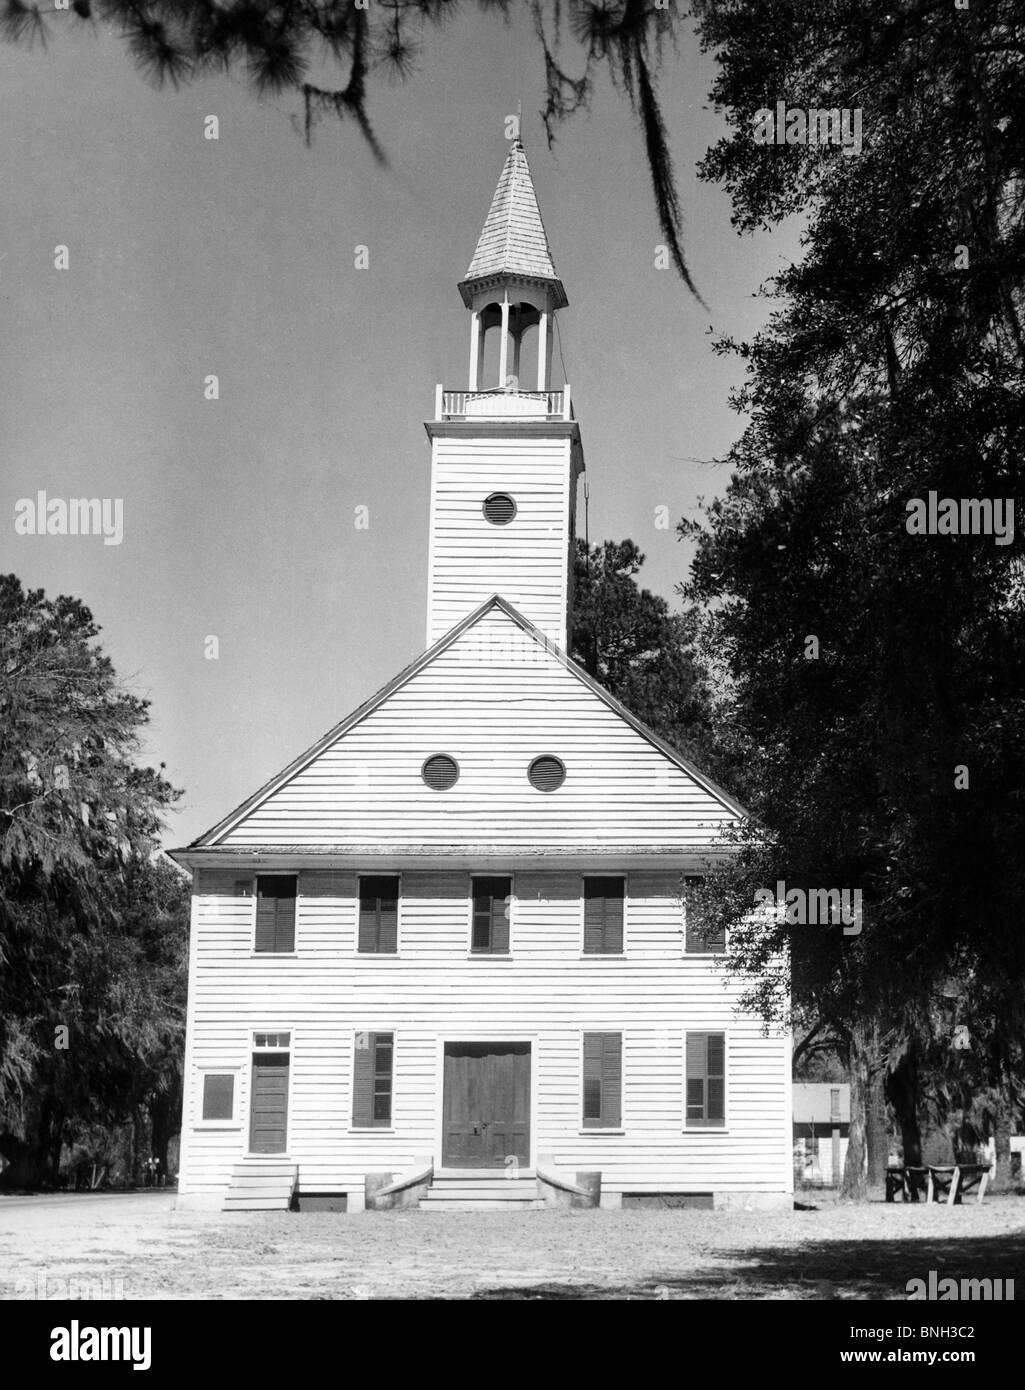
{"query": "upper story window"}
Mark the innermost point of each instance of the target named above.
(275, 913)
(492, 903)
(379, 914)
(603, 916)
(700, 939)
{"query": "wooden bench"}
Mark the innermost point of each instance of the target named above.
(936, 1179)
(907, 1179)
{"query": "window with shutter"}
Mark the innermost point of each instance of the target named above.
(603, 916)
(379, 914)
(603, 1081)
(699, 941)
(372, 1080)
(492, 903)
(218, 1096)
(706, 1080)
(275, 912)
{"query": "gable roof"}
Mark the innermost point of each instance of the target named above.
(728, 807)
(513, 241)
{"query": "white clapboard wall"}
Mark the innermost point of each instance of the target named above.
(545, 992)
(494, 698)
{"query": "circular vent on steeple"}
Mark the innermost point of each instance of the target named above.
(440, 772)
(546, 773)
(499, 509)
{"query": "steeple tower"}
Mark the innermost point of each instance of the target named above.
(511, 283)
(506, 453)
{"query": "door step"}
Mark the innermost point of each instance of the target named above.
(481, 1191)
(258, 1184)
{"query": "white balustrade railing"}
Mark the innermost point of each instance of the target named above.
(499, 404)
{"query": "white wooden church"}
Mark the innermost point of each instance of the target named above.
(443, 959)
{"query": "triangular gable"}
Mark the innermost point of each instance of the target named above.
(493, 693)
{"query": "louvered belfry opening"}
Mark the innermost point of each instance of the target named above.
(499, 508)
(440, 772)
(546, 773)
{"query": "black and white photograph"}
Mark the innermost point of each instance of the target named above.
(512, 690)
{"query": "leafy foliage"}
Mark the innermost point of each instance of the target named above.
(92, 924)
(888, 370)
(277, 44)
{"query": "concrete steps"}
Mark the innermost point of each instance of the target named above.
(481, 1190)
(261, 1184)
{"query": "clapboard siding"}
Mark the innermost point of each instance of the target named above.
(526, 561)
(546, 992)
(494, 700)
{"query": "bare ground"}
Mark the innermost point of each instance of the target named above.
(829, 1252)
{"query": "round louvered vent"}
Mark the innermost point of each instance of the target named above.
(547, 774)
(499, 509)
(440, 772)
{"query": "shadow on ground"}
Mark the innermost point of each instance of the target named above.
(854, 1269)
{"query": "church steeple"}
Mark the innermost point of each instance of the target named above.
(511, 283)
(506, 455)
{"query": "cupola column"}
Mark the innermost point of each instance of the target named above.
(544, 349)
(476, 337)
(503, 351)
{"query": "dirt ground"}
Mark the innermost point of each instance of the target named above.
(136, 1246)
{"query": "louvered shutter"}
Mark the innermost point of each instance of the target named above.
(716, 1097)
(603, 1080)
(696, 942)
(491, 907)
(603, 916)
(706, 1079)
(379, 914)
(383, 1052)
(363, 1080)
(275, 913)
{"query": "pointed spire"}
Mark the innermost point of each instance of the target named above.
(513, 242)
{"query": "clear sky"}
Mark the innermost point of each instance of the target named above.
(236, 257)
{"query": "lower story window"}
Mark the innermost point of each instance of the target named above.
(603, 1080)
(706, 1080)
(373, 1065)
(218, 1095)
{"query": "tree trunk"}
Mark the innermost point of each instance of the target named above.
(877, 1130)
(1002, 1139)
(165, 1117)
(863, 1067)
(902, 1092)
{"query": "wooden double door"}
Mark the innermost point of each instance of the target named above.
(486, 1115)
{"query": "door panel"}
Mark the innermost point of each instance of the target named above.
(268, 1118)
(486, 1105)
